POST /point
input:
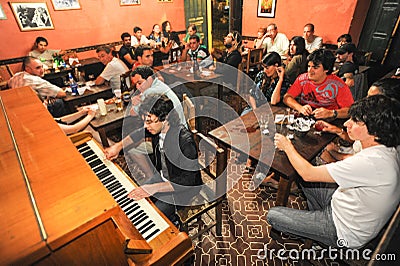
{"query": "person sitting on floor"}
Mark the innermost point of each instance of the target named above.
(175, 167)
(368, 185)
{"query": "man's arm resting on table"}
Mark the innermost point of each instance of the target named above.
(99, 80)
(291, 102)
(306, 170)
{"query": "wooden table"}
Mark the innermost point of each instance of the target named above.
(90, 96)
(261, 147)
(112, 120)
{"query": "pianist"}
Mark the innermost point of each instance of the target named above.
(175, 156)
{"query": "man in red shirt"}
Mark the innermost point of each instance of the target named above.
(320, 93)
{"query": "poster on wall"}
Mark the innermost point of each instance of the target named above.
(2, 14)
(266, 8)
(66, 4)
(32, 16)
(129, 2)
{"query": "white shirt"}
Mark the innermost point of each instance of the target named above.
(135, 42)
(368, 193)
(316, 44)
(279, 45)
(40, 85)
(113, 71)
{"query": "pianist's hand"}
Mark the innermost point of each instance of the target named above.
(113, 151)
(143, 192)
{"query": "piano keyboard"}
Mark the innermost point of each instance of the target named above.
(143, 216)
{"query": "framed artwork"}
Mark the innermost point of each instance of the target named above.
(2, 14)
(129, 2)
(266, 8)
(66, 4)
(32, 16)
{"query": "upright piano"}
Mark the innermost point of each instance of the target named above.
(53, 207)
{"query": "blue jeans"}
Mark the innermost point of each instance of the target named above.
(315, 223)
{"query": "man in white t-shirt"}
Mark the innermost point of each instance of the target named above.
(313, 42)
(138, 37)
(367, 193)
(113, 70)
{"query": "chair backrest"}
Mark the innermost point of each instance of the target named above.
(360, 88)
(174, 54)
(189, 112)
(127, 78)
(5, 74)
(254, 58)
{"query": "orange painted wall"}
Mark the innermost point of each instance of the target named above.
(331, 18)
(98, 21)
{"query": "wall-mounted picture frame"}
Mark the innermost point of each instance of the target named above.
(129, 2)
(32, 16)
(266, 8)
(2, 14)
(66, 4)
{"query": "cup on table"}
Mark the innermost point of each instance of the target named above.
(165, 63)
(102, 106)
(118, 100)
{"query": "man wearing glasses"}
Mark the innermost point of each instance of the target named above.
(32, 76)
(174, 164)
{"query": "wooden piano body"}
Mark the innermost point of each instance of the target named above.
(69, 218)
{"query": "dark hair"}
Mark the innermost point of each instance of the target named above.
(26, 61)
(272, 24)
(141, 48)
(346, 37)
(160, 106)
(40, 39)
(237, 37)
(381, 115)
(193, 27)
(164, 25)
(324, 57)
(271, 59)
(300, 44)
(143, 71)
(124, 35)
(104, 48)
(194, 37)
(136, 29)
(389, 87)
(310, 25)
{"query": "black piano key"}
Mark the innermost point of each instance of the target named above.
(88, 153)
(115, 187)
(108, 180)
(140, 220)
(137, 217)
(145, 225)
(95, 163)
(91, 158)
(124, 201)
(149, 225)
(103, 173)
(152, 233)
(82, 145)
(112, 184)
(118, 192)
(131, 209)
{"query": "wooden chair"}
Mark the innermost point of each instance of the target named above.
(253, 60)
(189, 111)
(127, 76)
(5, 74)
(174, 55)
(213, 162)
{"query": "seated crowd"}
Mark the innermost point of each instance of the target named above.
(346, 199)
